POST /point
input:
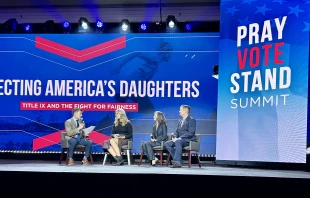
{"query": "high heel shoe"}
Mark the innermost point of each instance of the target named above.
(156, 162)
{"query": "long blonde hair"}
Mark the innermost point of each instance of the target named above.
(123, 118)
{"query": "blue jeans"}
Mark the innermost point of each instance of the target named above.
(175, 149)
(73, 142)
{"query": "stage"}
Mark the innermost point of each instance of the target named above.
(207, 169)
(40, 176)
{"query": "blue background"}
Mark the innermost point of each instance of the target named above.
(270, 133)
(192, 58)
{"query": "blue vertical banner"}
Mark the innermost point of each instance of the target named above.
(263, 80)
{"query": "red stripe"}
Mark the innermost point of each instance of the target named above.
(103, 48)
(54, 138)
(81, 55)
(58, 49)
(98, 138)
(47, 140)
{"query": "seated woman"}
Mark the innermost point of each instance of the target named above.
(159, 134)
(121, 133)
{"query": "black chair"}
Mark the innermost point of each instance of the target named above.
(193, 148)
(65, 148)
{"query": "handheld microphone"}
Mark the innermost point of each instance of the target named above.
(81, 120)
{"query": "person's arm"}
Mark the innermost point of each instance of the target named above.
(191, 129)
(163, 135)
(177, 131)
(70, 131)
(113, 131)
(128, 135)
(153, 132)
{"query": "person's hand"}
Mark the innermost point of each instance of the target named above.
(174, 139)
(81, 126)
(152, 140)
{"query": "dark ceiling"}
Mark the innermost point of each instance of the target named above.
(39, 11)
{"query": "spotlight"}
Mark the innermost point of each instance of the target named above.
(66, 27)
(10, 26)
(171, 22)
(49, 26)
(125, 26)
(188, 27)
(83, 25)
(143, 27)
(28, 28)
(99, 26)
(66, 24)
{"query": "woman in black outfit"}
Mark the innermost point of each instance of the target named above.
(159, 134)
(121, 133)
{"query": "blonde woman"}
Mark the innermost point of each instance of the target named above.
(121, 133)
(159, 134)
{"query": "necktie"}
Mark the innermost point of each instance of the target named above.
(182, 123)
(77, 136)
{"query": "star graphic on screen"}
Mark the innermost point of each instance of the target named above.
(248, 1)
(244, 22)
(307, 28)
(232, 10)
(262, 9)
(295, 10)
(279, 1)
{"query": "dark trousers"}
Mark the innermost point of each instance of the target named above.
(175, 149)
(73, 142)
(148, 149)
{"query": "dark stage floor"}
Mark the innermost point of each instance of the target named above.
(37, 177)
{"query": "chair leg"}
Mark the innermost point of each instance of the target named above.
(141, 156)
(198, 160)
(189, 153)
(168, 158)
(161, 158)
(61, 156)
(105, 158)
(67, 158)
(132, 159)
(128, 157)
(91, 158)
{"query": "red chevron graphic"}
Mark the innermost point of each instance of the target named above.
(80, 55)
(55, 138)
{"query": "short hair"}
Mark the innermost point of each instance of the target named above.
(186, 107)
(76, 110)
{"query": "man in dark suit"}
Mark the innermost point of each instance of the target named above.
(184, 134)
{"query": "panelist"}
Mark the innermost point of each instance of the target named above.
(75, 135)
(159, 134)
(121, 134)
(184, 134)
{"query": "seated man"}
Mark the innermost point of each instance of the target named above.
(75, 135)
(184, 134)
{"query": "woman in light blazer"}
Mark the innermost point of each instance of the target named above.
(159, 134)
